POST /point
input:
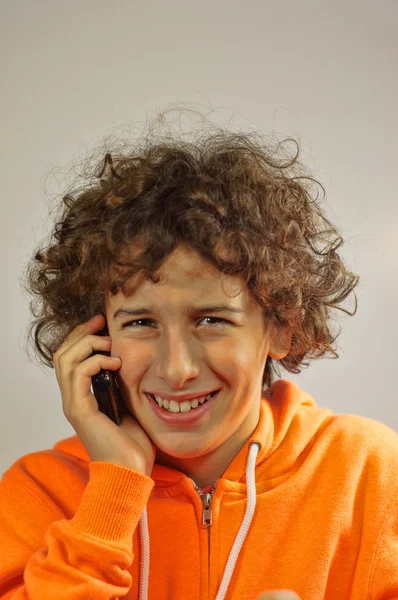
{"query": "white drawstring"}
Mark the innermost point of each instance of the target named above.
(240, 538)
(251, 505)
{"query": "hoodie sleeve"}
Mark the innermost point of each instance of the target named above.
(384, 573)
(379, 537)
(43, 555)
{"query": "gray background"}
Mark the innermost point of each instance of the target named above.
(324, 73)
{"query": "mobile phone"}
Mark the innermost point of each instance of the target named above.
(106, 390)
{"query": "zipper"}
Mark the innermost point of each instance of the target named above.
(207, 520)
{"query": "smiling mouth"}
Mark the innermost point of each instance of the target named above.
(176, 406)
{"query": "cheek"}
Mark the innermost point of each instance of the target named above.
(132, 359)
(237, 355)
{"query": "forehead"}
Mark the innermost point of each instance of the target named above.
(186, 276)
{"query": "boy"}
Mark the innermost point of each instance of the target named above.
(220, 482)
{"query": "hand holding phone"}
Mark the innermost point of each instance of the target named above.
(80, 358)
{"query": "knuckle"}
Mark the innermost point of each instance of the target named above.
(70, 416)
(62, 359)
(57, 354)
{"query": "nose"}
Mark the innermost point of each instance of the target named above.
(178, 360)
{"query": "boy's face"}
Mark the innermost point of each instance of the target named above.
(176, 353)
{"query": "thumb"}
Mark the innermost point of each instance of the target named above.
(278, 595)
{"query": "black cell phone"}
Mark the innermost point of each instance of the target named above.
(106, 390)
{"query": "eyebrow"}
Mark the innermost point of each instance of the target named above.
(145, 310)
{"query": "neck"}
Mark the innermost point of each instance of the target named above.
(209, 467)
(201, 469)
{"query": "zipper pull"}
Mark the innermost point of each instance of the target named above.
(206, 513)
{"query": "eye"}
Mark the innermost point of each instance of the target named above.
(130, 323)
(219, 321)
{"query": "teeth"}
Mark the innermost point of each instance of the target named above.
(183, 407)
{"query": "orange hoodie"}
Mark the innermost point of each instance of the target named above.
(308, 504)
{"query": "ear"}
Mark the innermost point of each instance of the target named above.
(280, 343)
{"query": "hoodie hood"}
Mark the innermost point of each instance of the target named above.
(289, 419)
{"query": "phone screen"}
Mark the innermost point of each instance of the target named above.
(106, 390)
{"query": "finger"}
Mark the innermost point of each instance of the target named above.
(80, 401)
(278, 595)
(84, 347)
(78, 352)
(91, 326)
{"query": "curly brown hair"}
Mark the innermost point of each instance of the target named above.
(226, 196)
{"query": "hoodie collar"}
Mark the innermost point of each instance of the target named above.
(288, 419)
